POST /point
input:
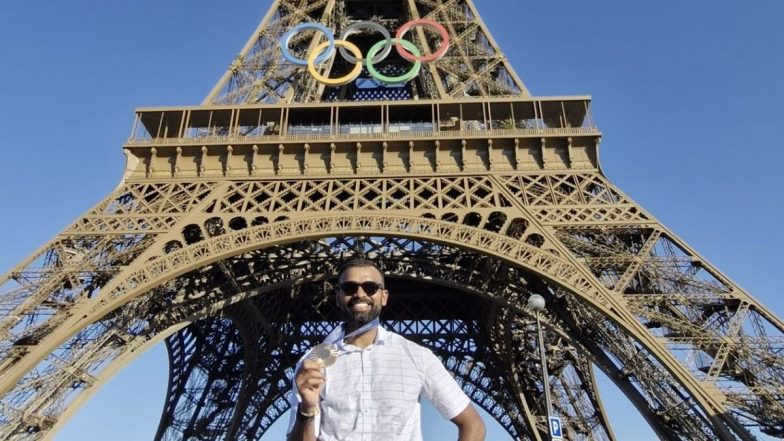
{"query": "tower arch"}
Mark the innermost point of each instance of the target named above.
(429, 251)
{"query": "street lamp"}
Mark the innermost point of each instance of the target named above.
(536, 304)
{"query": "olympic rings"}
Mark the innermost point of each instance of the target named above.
(286, 39)
(369, 25)
(423, 22)
(351, 76)
(377, 53)
(408, 76)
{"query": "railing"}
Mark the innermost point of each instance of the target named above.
(545, 116)
(242, 139)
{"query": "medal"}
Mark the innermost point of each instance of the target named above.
(324, 354)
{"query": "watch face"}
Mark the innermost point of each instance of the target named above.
(325, 354)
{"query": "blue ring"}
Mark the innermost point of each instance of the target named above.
(284, 43)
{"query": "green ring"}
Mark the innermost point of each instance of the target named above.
(408, 76)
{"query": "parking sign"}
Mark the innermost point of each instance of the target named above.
(556, 431)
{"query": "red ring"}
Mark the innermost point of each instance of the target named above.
(424, 58)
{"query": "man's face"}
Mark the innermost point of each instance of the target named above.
(360, 307)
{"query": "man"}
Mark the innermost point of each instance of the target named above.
(372, 391)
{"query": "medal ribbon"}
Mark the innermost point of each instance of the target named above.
(335, 337)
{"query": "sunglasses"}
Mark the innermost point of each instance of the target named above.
(350, 288)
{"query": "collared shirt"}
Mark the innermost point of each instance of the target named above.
(373, 394)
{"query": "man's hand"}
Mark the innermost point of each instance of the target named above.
(310, 381)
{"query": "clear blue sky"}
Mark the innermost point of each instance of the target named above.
(688, 94)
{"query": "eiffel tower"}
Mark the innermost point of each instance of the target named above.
(472, 195)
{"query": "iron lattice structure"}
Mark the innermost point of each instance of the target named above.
(225, 233)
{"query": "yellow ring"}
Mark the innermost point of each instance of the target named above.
(335, 81)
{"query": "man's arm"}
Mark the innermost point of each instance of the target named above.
(304, 429)
(443, 391)
(308, 383)
(469, 424)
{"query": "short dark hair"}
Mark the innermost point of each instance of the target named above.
(359, 262)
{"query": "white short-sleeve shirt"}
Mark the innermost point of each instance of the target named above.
(373, 394)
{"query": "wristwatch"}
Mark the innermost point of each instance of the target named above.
(304, 416)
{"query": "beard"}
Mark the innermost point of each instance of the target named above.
(359, 318)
